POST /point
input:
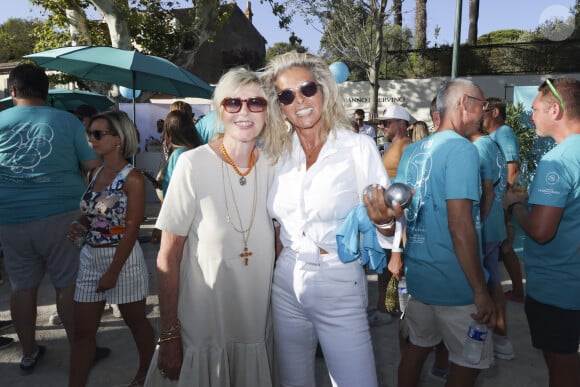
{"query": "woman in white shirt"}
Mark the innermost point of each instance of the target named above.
(322, 170)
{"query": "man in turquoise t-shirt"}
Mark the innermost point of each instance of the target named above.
(443, 263)
(493, 173)
(504, 136)
(42, 151)
(552, 224)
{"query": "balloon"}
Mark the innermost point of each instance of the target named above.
(340, 71)
(128, 93)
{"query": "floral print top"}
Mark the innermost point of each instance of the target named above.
(106, 209)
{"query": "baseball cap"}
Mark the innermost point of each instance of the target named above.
(394, 112)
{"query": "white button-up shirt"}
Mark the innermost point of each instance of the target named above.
(310, 205)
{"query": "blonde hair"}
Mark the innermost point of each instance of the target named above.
(121, 124)
(420, 131)
(333, 112)
(181, 105)
(229, 84)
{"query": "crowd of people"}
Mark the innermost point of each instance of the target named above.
(260, 260)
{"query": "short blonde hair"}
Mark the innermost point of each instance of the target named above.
(333, 112)
(229, 84)
(122, 125)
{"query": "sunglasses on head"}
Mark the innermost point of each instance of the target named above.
(254, 104)
(98, 134)
(555, 92)
(307, 89)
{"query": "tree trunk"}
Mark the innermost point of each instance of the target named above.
(398, 13)
(420, 24)
(117, 24)
(373, 70)
(473, 18)
(78, 25)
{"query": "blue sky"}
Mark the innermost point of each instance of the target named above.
(494, 15)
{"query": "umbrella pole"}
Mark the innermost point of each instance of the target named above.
(133, 159)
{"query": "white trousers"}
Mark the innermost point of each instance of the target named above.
(325, 303)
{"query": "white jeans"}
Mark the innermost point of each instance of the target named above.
(325, 303)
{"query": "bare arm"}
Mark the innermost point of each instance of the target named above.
(540, 224)
(513, 170)
(168, 264)
(487, 196)
(464, 240)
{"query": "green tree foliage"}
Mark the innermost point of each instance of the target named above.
(17, 39)
(352, 31)
(532, 147)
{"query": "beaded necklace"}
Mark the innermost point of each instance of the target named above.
(231, 162)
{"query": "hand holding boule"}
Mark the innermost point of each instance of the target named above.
(400, 193)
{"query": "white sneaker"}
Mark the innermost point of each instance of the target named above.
(116, 311)
(54, 319)
(502, 347)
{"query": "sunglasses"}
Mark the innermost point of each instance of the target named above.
(254, 104)
(484, 104)
(555, 92)
(387, 122)
(98, 134)
(307, 89)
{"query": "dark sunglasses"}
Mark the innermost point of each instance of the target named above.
(98, 134)
(387, 122)
(307, 89)
(254, 104)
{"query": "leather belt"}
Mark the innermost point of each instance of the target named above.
(103, 245)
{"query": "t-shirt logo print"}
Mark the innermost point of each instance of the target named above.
(552, 178)
(33, 143)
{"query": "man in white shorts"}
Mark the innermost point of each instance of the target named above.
(443, 261)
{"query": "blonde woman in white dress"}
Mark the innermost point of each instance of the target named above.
(216, 256)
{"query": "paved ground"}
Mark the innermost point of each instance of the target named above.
(527, 370)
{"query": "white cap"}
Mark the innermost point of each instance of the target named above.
(395, 112)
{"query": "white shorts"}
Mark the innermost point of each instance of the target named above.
(132, 284)
(430, 324)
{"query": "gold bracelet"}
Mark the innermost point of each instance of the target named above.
(166, 339)
(172, 329)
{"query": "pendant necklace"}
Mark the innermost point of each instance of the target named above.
(246, 253)
(231, 162)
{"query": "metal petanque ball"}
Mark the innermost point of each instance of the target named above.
(368, 190)
(398, 192)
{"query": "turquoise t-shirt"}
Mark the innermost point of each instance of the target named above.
(207, 127)
(553, 268)
(170, 167)
(441, 167)
(492, 166)
(41, 149)
(508, 142)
